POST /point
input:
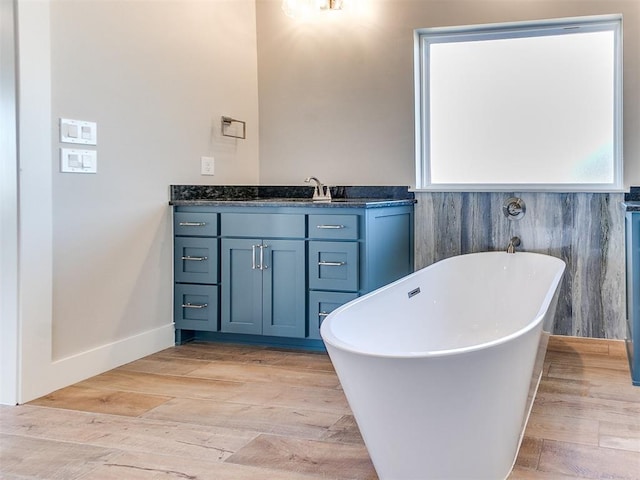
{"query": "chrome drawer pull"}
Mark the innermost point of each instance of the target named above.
(192, 224)
(332, 264)
(332, 227)
(194, 305)
(195, 259)
(323, 314)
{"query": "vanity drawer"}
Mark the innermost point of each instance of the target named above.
(195, 224)
(338, 227)
(196, 260)
(333, 266)
(322, 304)
(262, 225)
(196, 307)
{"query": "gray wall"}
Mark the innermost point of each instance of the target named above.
(336, 100)
(336, 90)
(156, 77)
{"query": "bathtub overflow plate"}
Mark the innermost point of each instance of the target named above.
(514, 208)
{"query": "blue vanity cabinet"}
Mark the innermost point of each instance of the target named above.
(632, 228)
(196, 272)
(352, 253)
(269, 274)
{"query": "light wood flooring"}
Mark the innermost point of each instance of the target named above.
(211, 411)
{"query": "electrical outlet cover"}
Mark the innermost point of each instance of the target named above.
(207, 166)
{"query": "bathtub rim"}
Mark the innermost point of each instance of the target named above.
(329, 338)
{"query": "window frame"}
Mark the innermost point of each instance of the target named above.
(425, 37)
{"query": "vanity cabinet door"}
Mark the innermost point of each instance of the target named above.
(283, 276)
(241, 286)
(263, 287)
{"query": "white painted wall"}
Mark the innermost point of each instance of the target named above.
(336, 90)
(96, 250)
(35, 195)
(8, 209)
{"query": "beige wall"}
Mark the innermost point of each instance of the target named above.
(156, 77)
(336, 91)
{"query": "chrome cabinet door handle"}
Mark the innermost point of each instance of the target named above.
(194, 305)
(192, 224)
(262, 265)
(331, 227)
(195, 259)
(323, 314)
(253, 257)
(332, 264)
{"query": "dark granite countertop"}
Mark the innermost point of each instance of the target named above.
(631, 201)
(632, 206)
(289, 196)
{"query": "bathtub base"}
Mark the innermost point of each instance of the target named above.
(450, 423)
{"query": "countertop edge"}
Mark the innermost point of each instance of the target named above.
(341, 203)
(631, 205)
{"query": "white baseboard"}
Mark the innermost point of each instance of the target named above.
(78, 367)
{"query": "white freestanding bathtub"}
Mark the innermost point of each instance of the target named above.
(440, 367)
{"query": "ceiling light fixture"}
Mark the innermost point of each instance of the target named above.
(331, 5)
(299, 8)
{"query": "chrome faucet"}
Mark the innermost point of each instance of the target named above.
(321, 193)
(513, 243)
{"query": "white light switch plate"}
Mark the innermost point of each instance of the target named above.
(207, 166)
(78, 161)
(78, 131)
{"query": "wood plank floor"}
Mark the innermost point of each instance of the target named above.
(211, 411)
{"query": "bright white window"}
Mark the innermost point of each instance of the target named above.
(520, 106)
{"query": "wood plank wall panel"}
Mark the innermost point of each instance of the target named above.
(586, 230)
